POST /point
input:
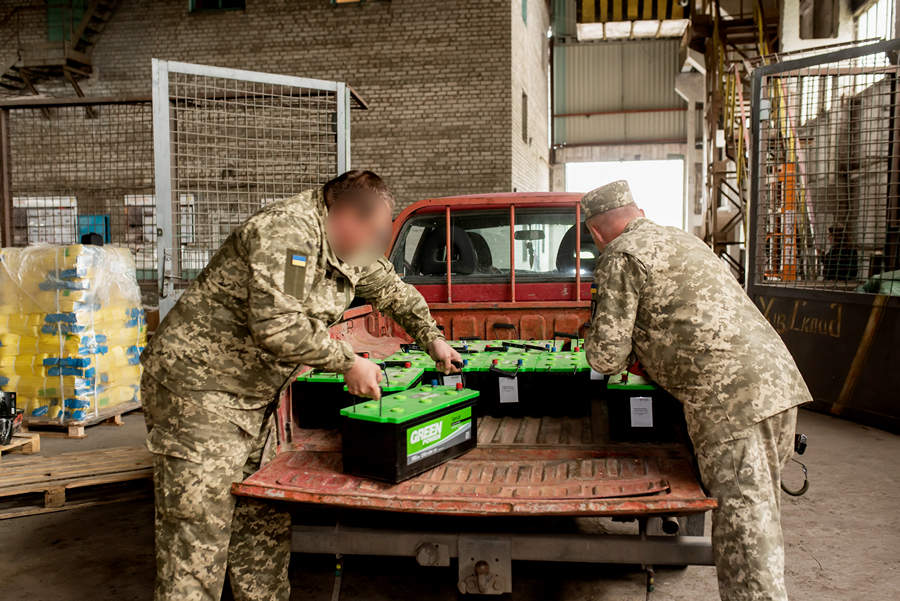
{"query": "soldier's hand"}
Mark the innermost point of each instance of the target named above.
(444, 356)
(363, 378)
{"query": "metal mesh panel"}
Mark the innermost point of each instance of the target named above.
(76, 169)
(827, 204)
(236, 145)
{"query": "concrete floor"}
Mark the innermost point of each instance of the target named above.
(841, 541)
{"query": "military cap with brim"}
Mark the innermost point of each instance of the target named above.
(606, 198)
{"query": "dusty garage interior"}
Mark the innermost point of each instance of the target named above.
(767, 129)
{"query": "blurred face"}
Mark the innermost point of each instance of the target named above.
(358, 227)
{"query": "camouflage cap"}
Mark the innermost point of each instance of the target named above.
(606, 198)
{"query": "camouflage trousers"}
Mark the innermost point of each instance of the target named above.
(203, 532)
(743, 473)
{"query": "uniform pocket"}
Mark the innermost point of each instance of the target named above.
(735, 471)
(186, 490)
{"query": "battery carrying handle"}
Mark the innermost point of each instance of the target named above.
(393, 363)
(504, 373)
(462, 375)
(525, 346)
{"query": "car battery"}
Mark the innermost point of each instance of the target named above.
(394, 379)
(416, 360)
(472, 370)
(569, 372)
(408, 433)
(640, 410)
(530, 346)
(469, 346)
(318, 397)
(506, 386)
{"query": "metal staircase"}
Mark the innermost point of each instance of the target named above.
(734, 36)
(27, 62)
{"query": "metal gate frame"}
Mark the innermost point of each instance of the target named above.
(163, 145)
(841, 339)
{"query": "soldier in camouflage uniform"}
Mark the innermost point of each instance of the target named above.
(664, 299)
(259, 311)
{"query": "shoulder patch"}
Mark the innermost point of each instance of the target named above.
(295, 274)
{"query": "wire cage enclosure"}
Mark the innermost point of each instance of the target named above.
(73, 166)
(826, 204)
(229, 142)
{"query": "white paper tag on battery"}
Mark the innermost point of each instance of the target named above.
(641, 412)
(596, 375)
(452, 380)
(509, 390)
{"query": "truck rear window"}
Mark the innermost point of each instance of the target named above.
(544, 246)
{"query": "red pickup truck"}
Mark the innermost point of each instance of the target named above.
(495, 266)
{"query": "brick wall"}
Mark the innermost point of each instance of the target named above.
(437, 76)
(530, 65)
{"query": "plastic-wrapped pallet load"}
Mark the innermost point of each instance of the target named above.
(72, 329)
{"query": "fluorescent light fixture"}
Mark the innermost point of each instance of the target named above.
(646, 29)
(618, 30)
(673, 28)
(590, 31)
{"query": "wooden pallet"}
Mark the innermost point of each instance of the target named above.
(110, 417)
(26, 443)
(60, 482)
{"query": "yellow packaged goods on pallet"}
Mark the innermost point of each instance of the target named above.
(71, 330)
(129, 374)
(24, 365)
(22, 324)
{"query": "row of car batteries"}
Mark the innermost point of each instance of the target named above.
(417, 425)
(514, 377)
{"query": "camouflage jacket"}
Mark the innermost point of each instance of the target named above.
(664, 298)
(263, 306)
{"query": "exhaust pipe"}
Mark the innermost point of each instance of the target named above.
(670, 525)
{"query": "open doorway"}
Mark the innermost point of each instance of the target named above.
(657, 186)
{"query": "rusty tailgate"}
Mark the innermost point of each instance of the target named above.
(522, 466)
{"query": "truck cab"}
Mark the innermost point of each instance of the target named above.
(496, 267)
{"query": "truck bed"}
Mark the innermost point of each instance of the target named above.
(522, 466)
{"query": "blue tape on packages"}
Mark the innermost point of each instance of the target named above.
(57, 284)
(60, 317)
(77, 404)
(63, 328)
(79, 372)
(39, 411)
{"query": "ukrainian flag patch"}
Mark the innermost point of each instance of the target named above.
(298, 261)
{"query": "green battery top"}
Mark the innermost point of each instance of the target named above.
(523, 346)
(416, 361)
(567, 362)
(324, 377)
(405, 406)
(509, 361)
(629, 381)
(468, 345)
(321, 377)
(477, 362)
(400, 378)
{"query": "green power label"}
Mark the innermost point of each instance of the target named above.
(437, 435)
